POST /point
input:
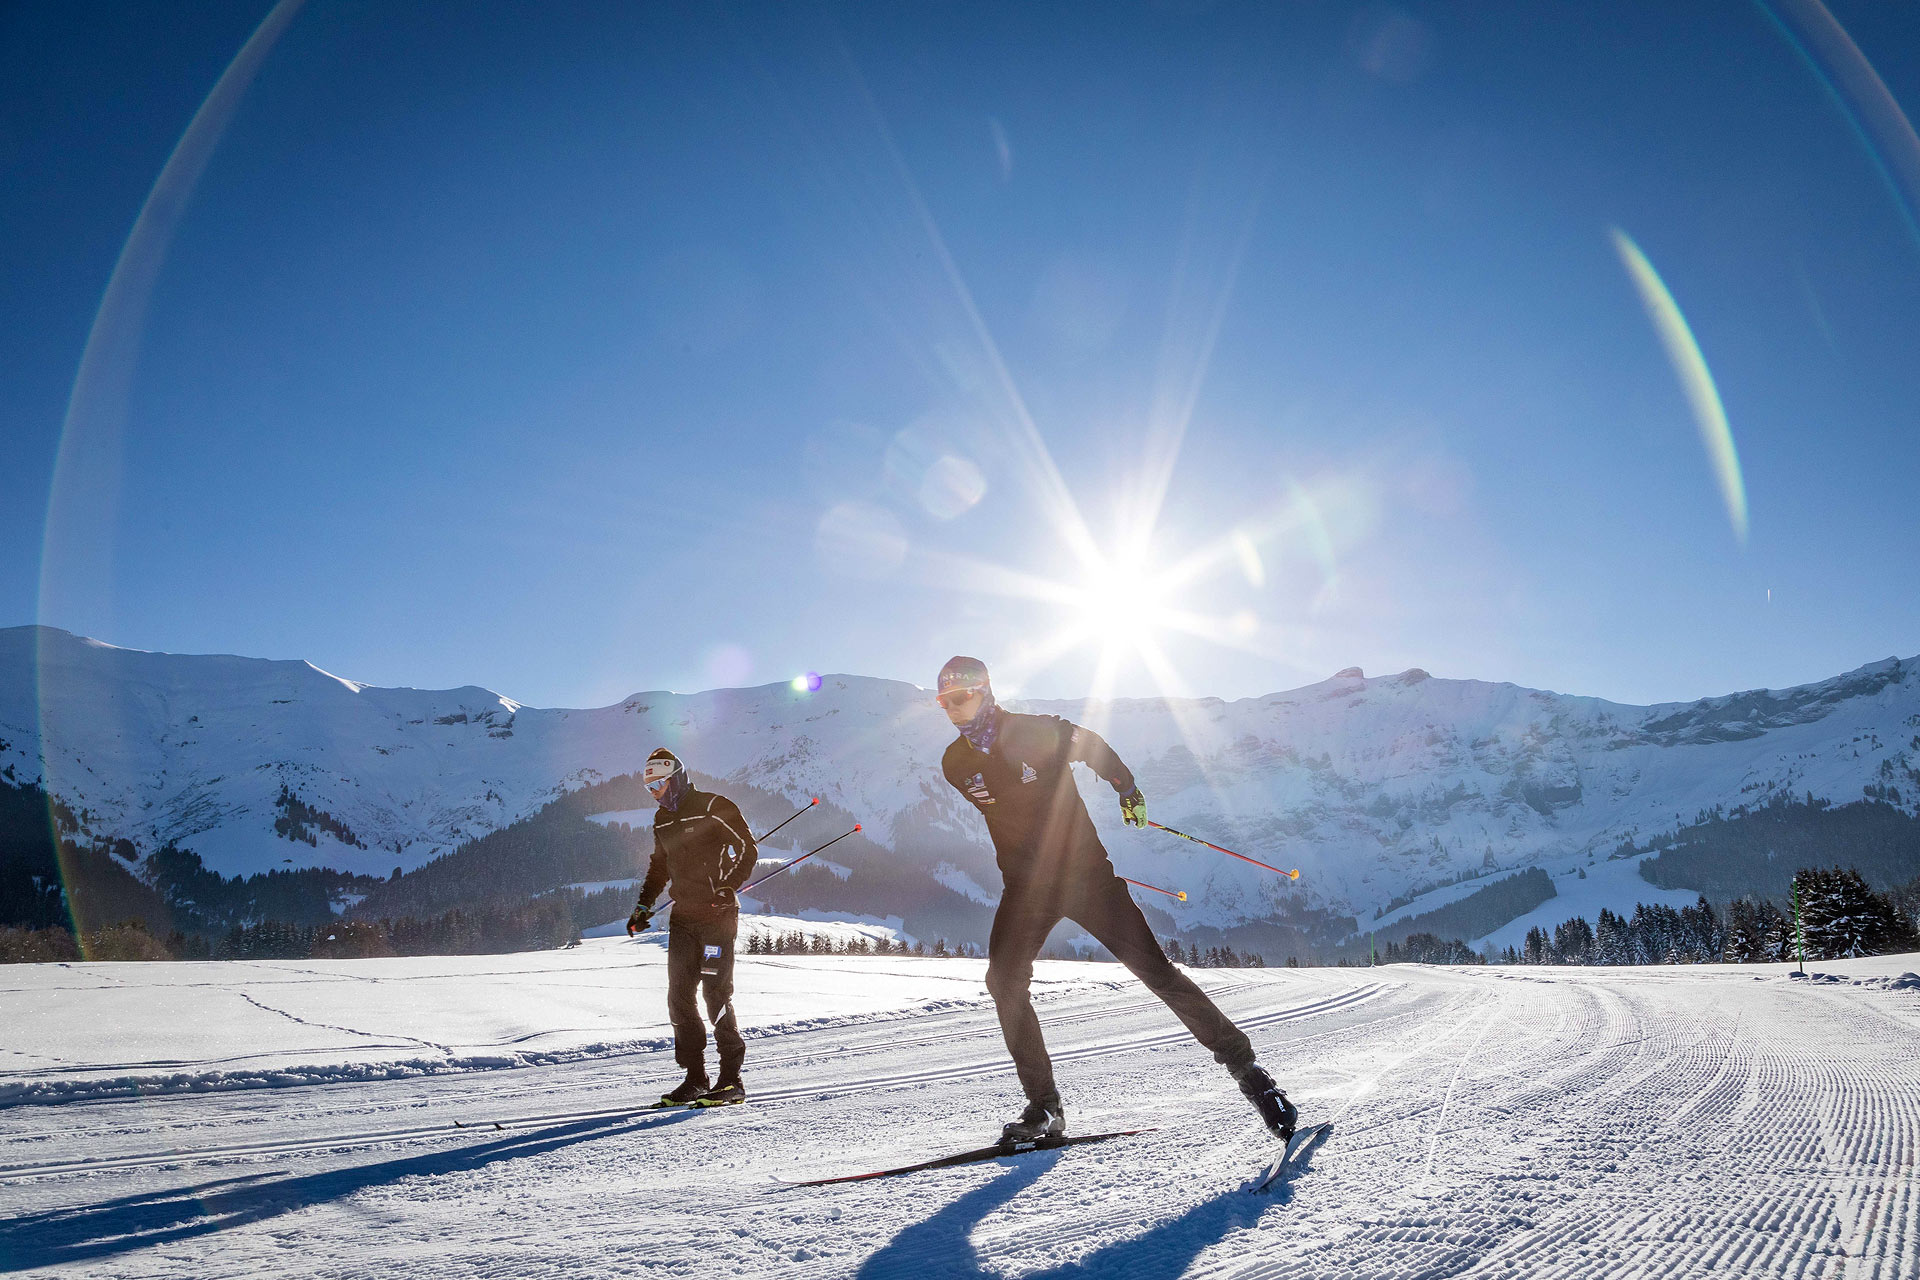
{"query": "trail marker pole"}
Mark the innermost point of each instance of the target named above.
(1799, 931)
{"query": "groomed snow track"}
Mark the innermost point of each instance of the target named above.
(1503, 1123)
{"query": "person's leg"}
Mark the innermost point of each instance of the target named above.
(1107, 911)
(683, 977)
(1019, 931)
(717, 984)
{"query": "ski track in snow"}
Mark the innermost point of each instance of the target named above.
(1671, 1122)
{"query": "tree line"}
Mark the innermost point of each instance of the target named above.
(1220, 957)
(796, 942)
(536, 925)
(1840, 917)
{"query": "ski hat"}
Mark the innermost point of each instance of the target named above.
(960, 675)
(661, 765)
(664, 766)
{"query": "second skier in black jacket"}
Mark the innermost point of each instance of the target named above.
(704, 851)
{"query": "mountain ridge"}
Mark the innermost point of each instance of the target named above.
(1374, 787)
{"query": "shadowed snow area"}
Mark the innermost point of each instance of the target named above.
(1679, 1121)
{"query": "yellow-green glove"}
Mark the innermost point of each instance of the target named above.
(1133, 808)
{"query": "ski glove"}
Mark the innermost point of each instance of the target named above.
(641, 918)
(1133, 808)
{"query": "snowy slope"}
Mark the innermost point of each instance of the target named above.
(92, 1031)
(1373, 788)
(1664, 1123)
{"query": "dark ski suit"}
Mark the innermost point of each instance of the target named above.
(1056, 868)
(705, 851)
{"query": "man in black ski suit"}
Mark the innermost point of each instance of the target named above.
(1017, 771)
(702, 847)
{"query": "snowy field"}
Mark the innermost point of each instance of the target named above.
(478, 1116)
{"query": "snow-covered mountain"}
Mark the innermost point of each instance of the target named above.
(1377, 789)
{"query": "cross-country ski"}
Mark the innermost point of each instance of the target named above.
(997, 1151)
(1284, 1166)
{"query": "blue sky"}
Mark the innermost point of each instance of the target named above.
(580, 351)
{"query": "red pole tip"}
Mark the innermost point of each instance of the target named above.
(856, 826)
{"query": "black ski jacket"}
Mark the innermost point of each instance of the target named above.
(1042, 837)
(705, 851)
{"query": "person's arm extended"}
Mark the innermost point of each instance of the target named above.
(1090, 749)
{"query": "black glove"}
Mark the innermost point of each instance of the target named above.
(724, 897)
(1133, 808)
(640, 920)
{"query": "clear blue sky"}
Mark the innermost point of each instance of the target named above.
(577, 350)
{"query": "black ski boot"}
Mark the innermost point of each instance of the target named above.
(729, 1092)
(1040, 1122)
(1269, 1099)
(688, 1090)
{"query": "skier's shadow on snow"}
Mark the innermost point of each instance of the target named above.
(107, 1228)
(941, 1248)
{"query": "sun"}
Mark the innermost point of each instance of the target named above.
(1119, 607)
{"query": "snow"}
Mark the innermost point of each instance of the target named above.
(962, 883)
(117, 1029)
(601, 886)
(838, 928)
(1615, 884)
(1660, 1122)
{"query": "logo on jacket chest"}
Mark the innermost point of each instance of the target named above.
(1026, 772)
(977, 789)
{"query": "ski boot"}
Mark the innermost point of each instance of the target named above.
(1269, 1099)
(1041, 1123)
(688, 1090)
(728, 1093)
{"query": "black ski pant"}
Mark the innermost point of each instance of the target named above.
(700, 954)
(1100, 904)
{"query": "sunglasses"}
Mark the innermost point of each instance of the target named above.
(954, 697)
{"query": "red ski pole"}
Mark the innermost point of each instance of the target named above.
(802, 858)
(796, 813)
(1291, 875)
(1171, 893)
(667, 902)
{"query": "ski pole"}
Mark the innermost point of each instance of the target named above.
(787, 866)
(665, 903)
(796, 813)
(1171, 893)
(1291, 875)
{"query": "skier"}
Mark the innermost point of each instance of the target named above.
(703, 848)
(1017, 771)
